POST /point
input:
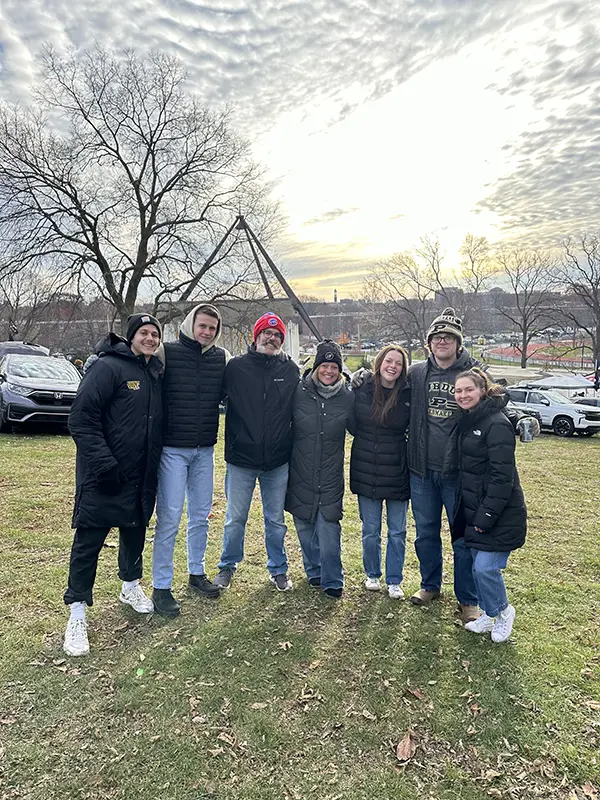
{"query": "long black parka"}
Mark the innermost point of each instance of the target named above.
(378, 463)
(491, 494)
(116, 422)
(316, 478)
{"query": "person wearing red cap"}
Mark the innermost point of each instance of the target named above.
(260, 388)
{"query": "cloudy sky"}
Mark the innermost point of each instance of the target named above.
(379, 122)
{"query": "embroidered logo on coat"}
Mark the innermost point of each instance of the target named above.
(477, 433)
(134, 385)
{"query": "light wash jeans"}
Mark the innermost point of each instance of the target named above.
(428, 496)
(370, 514)
(184, 473)
(239, 488)
(321, 543)
(491, 591)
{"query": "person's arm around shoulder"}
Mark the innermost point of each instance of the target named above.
(500, 442)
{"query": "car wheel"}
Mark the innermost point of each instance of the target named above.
(586, 433)
(563, 426)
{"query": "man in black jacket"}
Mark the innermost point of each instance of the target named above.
(260, 388)
(192, 389)
(116, 422)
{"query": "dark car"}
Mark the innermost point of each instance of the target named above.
(36, 388)
(24, 348)
(588, 401)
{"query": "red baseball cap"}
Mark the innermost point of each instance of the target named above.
(269, 321)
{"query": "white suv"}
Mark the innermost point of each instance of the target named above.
(557, 412)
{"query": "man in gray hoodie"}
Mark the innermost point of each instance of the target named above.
(192, 390)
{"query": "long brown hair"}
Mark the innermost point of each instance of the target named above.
(382, 405)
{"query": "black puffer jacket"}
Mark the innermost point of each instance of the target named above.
(116, 422)
(492, 498)
(258, 426)
(378, 465)
(193, 385)
(316, 480)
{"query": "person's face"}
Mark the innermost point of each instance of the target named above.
(269, 342)
(145, 341)
(328, 373)
(444, 346)
(467, 394)
(205, 329)
(391, 366)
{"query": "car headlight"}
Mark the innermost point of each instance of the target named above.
(16, 388)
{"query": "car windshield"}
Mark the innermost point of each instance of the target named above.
(33, 367)
(556, 397)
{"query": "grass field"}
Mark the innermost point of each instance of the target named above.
(288, 696)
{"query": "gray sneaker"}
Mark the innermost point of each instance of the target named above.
(282, 583)
(223, 579)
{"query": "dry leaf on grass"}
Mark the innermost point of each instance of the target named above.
(406, 748)
(258, 706)
(285, 645)
(415, 693)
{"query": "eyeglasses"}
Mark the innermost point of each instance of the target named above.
(272, 335)
(447, 338)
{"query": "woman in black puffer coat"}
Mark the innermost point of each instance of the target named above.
(492, 509)
(378, 465)
(322, 412)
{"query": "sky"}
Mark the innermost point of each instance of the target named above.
(378, 122)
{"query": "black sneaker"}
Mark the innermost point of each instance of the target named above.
(164, 603)
(282, 582)
(314, 581)
(337, 593)
(223, 579)
(203, 585)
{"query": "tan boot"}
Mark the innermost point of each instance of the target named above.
(423, 597)
(469, 613)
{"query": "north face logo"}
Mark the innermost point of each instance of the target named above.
(477, 433)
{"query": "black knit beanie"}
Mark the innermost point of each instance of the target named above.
(135, 321)
(328, 352)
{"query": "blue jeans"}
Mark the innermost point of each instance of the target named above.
(491, 591)
(184, 473)
(321, 543)
(370, 514)
(428, 496)
(239, 488)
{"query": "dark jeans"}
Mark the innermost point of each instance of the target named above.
(84, 560)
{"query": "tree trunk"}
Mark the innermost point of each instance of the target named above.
(524, 351)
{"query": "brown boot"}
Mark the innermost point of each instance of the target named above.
(469, 613)
(423, 597)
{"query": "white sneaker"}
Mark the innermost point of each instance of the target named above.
(136, 598)
(373, 584)
(503, 625)
(76, 639)
(482, 624)
(395, 591)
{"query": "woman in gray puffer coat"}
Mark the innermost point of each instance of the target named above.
(322, 412)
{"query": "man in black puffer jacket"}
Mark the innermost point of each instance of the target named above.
(192, 389)
(260, 388)
(116, 422)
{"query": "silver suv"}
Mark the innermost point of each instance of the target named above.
(558, 413)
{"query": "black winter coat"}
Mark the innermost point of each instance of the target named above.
(116, 422)
(316, 479)
(192, 389)
(492, 498)
(378, 464)
(258, 425)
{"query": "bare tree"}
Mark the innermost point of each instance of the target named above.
(579, 276)
(474, 278)
(122, 182)
(529, 302)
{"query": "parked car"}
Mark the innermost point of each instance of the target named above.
(6, 348)
(36, 388)
(588, 401)
(558, 412)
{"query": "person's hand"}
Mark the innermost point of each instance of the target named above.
(359, 377)
(111, 482)
(535, 426)
(479, 530)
